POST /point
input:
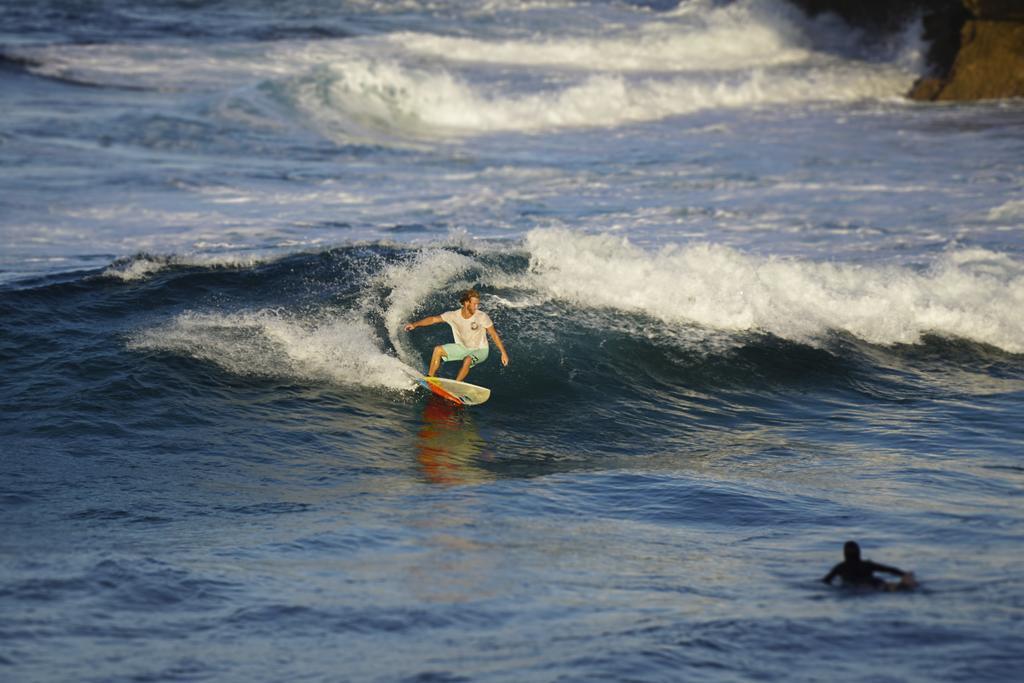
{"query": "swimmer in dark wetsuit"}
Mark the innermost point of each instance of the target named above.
(857, 572)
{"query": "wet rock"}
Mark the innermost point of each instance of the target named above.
(988, 65)
(975, 47)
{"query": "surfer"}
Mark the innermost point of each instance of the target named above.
(470, 328)
(857, 572)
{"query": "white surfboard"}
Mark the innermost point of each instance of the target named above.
(461, 393)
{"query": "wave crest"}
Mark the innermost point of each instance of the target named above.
(267, 343)
(972, 294)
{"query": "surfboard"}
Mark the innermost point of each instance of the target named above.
(460, 393)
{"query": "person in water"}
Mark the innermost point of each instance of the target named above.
(470, 328)
(857, 572)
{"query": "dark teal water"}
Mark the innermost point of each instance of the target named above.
(622, 508)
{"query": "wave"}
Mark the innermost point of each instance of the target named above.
(741, 34)
(411, 100)
(268, 343)
(972, 294)
(745, 54)
(569, 295)
(423, 84)
(323, 344)
(143, 266)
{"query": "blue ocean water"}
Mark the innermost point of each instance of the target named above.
(756, 303)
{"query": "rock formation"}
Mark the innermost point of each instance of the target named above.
(976, 47)
(989, 61)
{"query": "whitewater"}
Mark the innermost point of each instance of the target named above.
(757, 304)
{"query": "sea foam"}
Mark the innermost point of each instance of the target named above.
(738, 35)
(143, 266)
(322, 346)
(267, 343)
(420, 101)
(973, 294)
(743, 54)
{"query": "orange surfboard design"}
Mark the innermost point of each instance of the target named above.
(459, 393)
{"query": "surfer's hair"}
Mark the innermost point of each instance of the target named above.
(469, 294)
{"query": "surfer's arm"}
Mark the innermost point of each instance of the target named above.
(832, 574)
(497, 342)
(429, 320)
(875, 567)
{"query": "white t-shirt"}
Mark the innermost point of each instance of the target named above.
(471, 332)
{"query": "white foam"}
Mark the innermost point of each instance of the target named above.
(973, 294)
(415, 100)
(409, 284)
(332, 348)
(1012, 210)
(741, 34)
(144, 266)
(267, 344)
(743, 54)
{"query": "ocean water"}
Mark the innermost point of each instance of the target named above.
(756, 303)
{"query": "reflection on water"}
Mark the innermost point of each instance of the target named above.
(450, 445)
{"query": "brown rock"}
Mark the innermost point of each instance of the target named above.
(926, 89)
(989, 65)
(975, 47)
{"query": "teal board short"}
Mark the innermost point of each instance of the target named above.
(458, 352)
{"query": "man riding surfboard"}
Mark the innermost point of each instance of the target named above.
(470, 329)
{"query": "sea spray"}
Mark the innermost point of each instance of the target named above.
(272, 343)
(976, 295)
